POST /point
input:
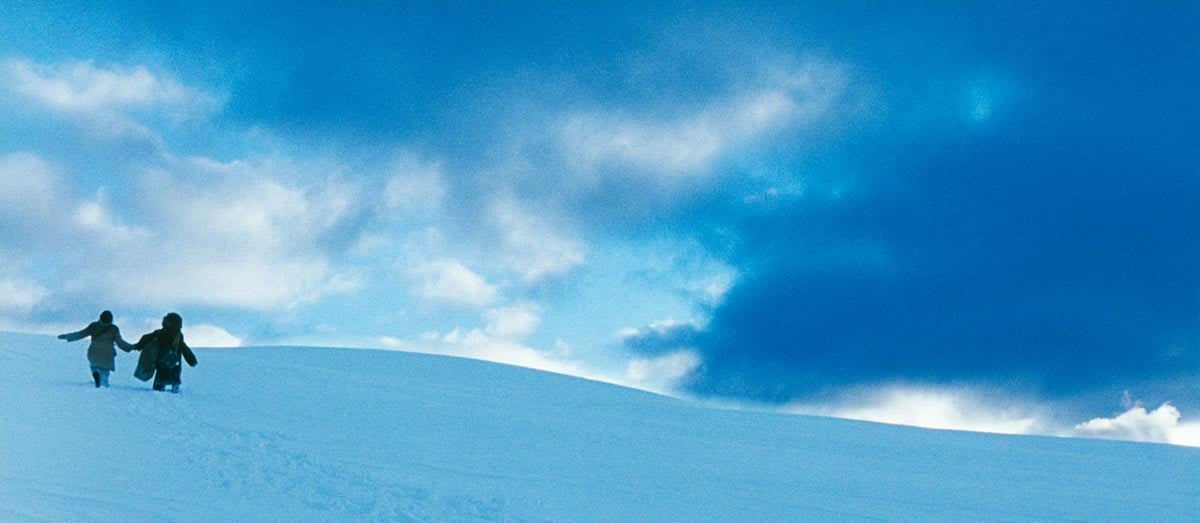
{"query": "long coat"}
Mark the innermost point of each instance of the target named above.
(161, 351)
(101, 353)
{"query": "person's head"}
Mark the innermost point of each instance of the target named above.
(172, 321)
(106, 317)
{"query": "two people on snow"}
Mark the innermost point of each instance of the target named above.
(161, 351)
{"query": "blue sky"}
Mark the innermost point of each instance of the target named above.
(796, 205)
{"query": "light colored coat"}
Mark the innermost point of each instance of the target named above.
(101, 354)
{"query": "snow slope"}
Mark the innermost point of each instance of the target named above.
(307, 434)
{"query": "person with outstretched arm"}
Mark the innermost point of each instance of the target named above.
(101, 354)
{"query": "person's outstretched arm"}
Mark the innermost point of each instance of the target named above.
(79, 335)
(124, 345)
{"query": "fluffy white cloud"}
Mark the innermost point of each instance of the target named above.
(235, 234)
(213, 233)
(962, 409)
(207, 335)
(513, 322)
(936, 408)
(197, 232)
(449, 281)
(689, 145)
(1161, 425)
(535, 245)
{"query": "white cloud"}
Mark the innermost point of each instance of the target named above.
(94, 218)
(936, 408)
(207, 335)
(478, 344)
(227, 234)
(1161, 425)
(662, 328)
(964, 409)
(650, 146)
(661, 374)
(42, 214)
(500, 342)
(449, 281)
(689, 145)
(391, 343)
(40, 205)
(258, 233)
(20, 295)
(513, 322)
(33, 189)
(535, 245)
(196, 231)
(711, 289)
(414, 187)
(112, 102)
(104, 93)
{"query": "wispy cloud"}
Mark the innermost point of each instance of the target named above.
(34, 190)
(934, 407)
(111, 98)
(449, 281)
(513, 322)
(479, 344)
(689, 145)
(536, 245)
(414, 187)
(20, 295)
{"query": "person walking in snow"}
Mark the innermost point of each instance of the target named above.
(161, 351)
(101, 354)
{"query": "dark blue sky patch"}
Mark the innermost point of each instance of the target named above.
(1063, 265)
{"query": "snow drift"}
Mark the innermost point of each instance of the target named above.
(271, 434)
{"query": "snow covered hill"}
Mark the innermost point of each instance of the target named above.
(309, 434)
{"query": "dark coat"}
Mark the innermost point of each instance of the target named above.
(101, 353)
(166, 357)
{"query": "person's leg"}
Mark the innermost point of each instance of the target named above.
(166, 376)
(96, 376)
(104, 377)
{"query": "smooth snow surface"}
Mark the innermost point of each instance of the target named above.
(305, 434)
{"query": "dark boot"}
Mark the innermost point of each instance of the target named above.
(96, 378)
